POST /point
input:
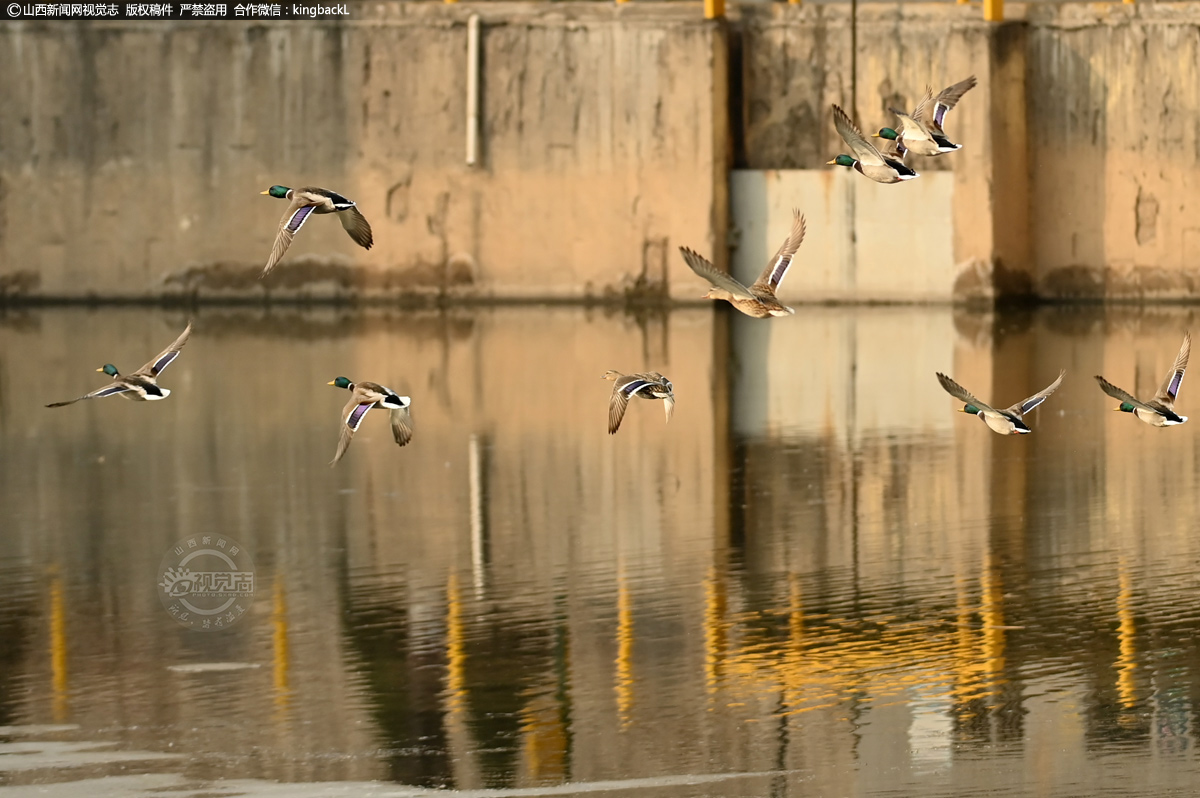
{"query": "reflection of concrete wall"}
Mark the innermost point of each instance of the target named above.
(882, 542)
(134, 154)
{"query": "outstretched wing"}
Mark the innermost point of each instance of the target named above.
(946, 100)
(402, 429)
(1026, 405)
(352, 415)
(922, 107)
(863, 150)
(720, 279)
(108, 390)
(911, 128)
(625, 389)
(1170, 387)
(297, 214)
(358, 228)
(165, 357)
(616, 409)
(1122, 396)
(777, 267)
(959, 392)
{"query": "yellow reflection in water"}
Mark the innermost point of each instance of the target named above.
(1127, 658)
(58, 651)
(624, 685)
(544, 740)
(281, 656)
(715, 644)
(991, 611)
(966, 671)
(880, 656)
(456, 656)
(795, 615)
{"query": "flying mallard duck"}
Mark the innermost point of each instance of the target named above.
(1159, 411)
(141, 385)
(759, 299)
(1006, 422)
(365, 396)
(921, 131)
(304, 203)
(647, 385)
(871, 162)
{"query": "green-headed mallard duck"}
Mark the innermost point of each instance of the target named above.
(921, 131)
(647, 385)
(304, 203)
(868, 160)
(365, 396)
(759, 299)
(1006, 422)
(141, 385)
(1159, 411)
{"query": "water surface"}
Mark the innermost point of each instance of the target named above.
(818, 579)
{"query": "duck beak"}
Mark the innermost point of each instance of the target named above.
(331, 382)
(264, 192)
(830, 163)
(961, 409)
(99, 369)
(1115, 409)
(874, 135)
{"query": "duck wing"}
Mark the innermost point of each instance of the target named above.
(402, 429)
(356, 225)
(959, 392)
(922, 108)
(165, 357)
(863, 150)
(777, 267)
(1024, 406)
(1122, 396)
(911, 126)
(302, 206)
(946, 100)
(108, 390)
(1170, 387)
(625, 388)
(703, 267)
(352, 415)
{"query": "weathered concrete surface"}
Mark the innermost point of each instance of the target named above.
(133, 154)
(860, 245)
(1080, 142)
(1115, 149)
(796, 63)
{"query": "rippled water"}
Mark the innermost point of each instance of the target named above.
(818, 579)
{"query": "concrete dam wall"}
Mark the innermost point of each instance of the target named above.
(132, 154)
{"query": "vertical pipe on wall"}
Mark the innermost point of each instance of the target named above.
(714, 9)
(993, 10)
(473, 90)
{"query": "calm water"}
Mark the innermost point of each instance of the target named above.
(817, 580)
